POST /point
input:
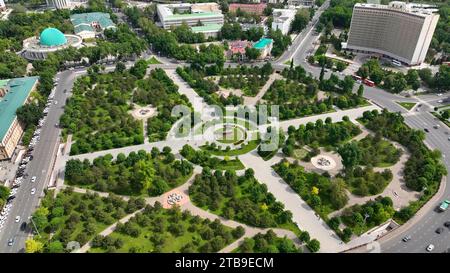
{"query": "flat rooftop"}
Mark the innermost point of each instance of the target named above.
(18, 91)
(261, 44)
(207, 28)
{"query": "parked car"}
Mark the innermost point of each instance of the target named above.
(33, 191)
(430, 247)
(439, 230)
(406, 238)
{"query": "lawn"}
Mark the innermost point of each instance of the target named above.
(406, 105)
(300, 153)
(234, 152)
(240, 198)
(153, 60)
(167, 231)
(230, 165)
(72, 216)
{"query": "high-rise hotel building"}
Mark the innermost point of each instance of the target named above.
(399, 30)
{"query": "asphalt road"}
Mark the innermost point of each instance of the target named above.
(423, 232)
(24, 204)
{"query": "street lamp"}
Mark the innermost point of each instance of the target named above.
(31, 218)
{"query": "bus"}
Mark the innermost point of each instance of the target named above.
(368, 82)
(357, 78)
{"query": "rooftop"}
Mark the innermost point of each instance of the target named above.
(411, 8)
(193, 15)
(18, 91)
(52, 37)
(207, 28)
(103, 19)
(262, 43)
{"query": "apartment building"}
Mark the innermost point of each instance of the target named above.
(399, 30)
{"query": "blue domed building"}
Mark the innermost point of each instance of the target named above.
(50, 40)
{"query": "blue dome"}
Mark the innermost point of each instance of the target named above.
(52, 37)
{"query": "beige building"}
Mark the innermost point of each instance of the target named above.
(13, 94)
(401, 31)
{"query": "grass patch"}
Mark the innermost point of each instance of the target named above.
(235, 152)
(153, 60)
(406, 105)
(159, 230)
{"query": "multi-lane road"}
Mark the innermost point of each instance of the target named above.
(422, 232)
(44, 154)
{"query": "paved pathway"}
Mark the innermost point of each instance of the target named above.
(249, 230)
(262, 92)
(303, 215)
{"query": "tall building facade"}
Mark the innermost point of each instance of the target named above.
(402, 31)
(59, 4)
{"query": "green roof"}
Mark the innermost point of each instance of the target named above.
(262, 43)
(103, 19)
(208, 27)
(81, 28)
(18, 91)
(192, 15)
(52, 37)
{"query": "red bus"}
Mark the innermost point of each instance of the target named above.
(368, 82)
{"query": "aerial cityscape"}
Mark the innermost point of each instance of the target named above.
(229, 126)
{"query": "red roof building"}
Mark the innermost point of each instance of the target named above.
(250, 8)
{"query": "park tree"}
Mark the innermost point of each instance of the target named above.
(252, 53)
(33, 246)
(313, 245)
(360, 90)
(350, 153)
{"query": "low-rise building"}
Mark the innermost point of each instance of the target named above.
(50, 40)
(282, 19)
(209, 30)
(192, 14)
(237, 49)
(264, 45)
(13, 94)
(301, 3)
(88, 25)
(249, 8)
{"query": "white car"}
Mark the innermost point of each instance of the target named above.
(56, 102)
(33, 179)
(430, 247)
(33, 191)
(440, 101)
(17, 219)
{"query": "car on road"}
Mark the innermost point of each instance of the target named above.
(439, 230)
(426, 130)
(430, 247)
(33, 191)
(444, 205)
(10, 241)
(437, 126)
(23, 226)
(33, 179)
(17, 219)
(56, 102)
(406, 238)
(447, 224)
